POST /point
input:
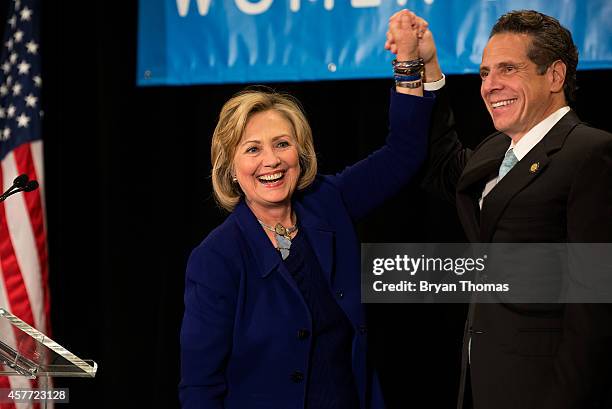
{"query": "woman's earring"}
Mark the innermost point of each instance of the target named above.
(234, 178)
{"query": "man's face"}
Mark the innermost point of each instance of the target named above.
(516, 96)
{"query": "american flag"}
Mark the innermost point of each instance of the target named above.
(23, 244)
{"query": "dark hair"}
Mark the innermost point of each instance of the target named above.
(550, 41)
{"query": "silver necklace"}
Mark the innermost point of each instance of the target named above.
(282, 235)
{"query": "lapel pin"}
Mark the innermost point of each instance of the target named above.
(534, 167)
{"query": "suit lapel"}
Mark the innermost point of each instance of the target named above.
(522, 174)
(263, 251)
(482, 166)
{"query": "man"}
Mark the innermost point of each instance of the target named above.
(544, 177)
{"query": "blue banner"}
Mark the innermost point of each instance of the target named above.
(183, 42)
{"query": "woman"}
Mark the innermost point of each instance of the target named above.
(272, 300)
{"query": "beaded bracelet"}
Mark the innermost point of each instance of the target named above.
(415, 77)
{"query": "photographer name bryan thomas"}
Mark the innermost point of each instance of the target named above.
(426, 286)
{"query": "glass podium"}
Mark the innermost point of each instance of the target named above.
(28, 353)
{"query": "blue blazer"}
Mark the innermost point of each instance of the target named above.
(240, 340)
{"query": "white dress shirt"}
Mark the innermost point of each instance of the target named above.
(526, 143)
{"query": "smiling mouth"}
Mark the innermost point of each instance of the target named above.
(271, 178)
(503, 103)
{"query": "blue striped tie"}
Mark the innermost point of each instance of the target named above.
(509, 161)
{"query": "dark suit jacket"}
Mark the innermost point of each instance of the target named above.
(532, 356)
(244, 339)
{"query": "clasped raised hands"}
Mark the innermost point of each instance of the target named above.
(409, 37)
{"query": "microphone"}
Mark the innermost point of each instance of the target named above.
(20, 184)
(20, 181)
(31, 185)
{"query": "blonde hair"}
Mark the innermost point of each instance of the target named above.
(229, 130)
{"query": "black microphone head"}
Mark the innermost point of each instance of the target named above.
(21, 180)
(31, 185)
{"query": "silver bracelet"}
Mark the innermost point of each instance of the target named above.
(408, 68)
(409, 84)
(408, 64)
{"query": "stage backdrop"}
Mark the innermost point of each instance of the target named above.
(184, 42)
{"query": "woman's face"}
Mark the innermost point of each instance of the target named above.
(266, 162)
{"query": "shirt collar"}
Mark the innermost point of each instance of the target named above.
(537, 133)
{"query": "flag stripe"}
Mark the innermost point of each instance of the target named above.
(18, 253)
(36, 149)
(5, 328)
(8, 332)
(18, 300)
(26, 269)
(25, 165)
